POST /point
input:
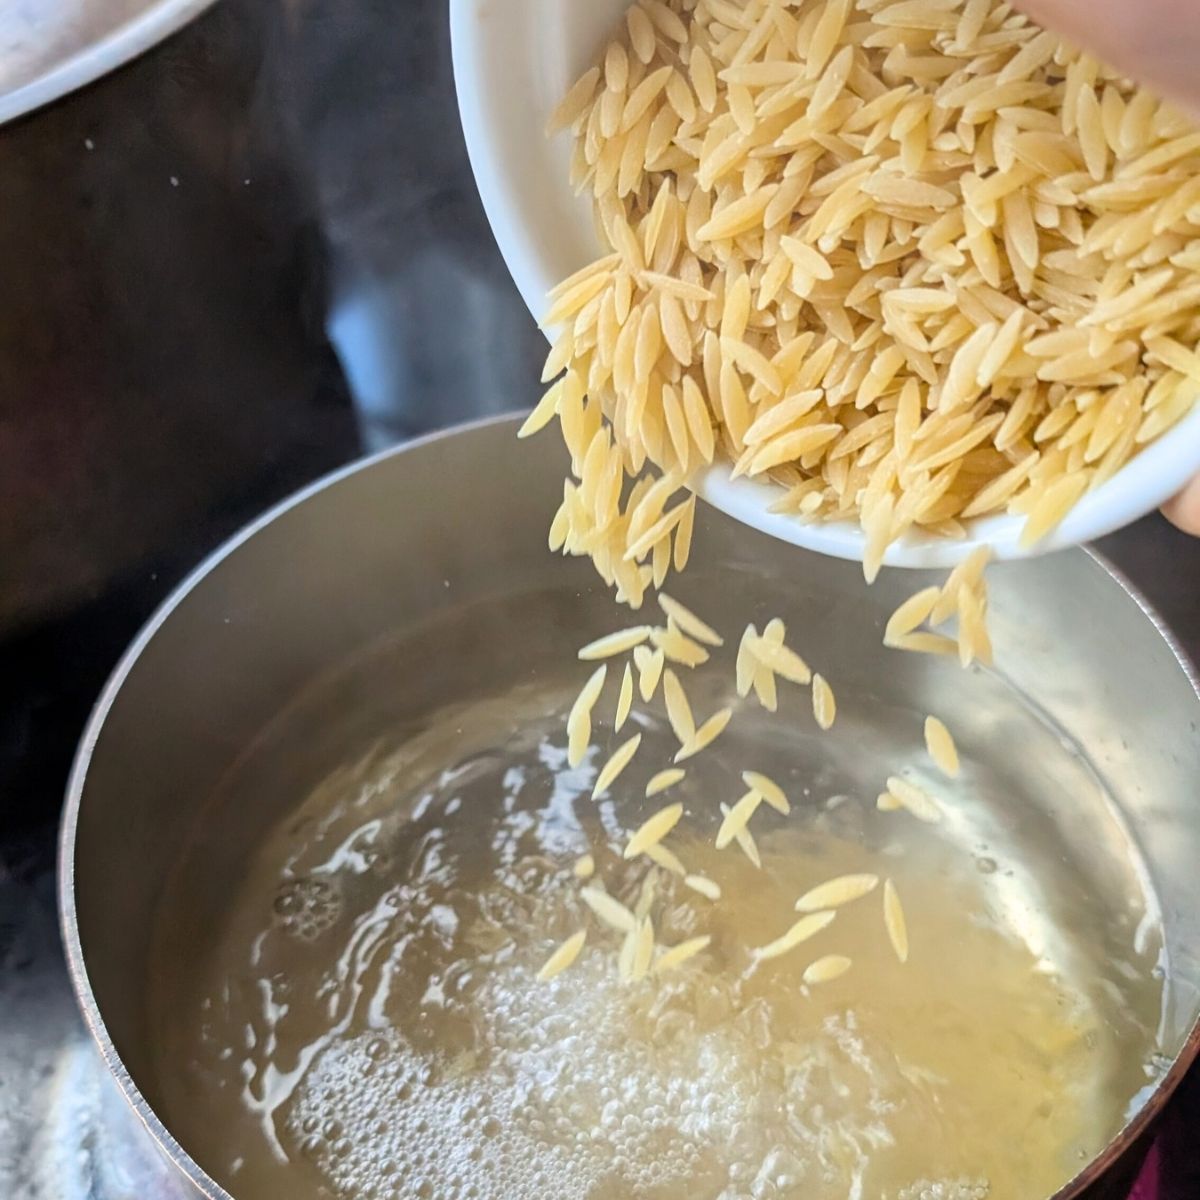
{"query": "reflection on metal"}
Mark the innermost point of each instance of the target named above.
(66, 1132)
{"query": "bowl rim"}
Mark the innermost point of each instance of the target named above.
(88, 62)
(1135, 1128)
(1146, 482)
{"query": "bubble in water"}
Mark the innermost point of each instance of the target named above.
(445, 1064)
(947, 1189)
(632, 1109)
(307, 907)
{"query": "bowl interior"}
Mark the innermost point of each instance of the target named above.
(1087, 730)
(512, 64)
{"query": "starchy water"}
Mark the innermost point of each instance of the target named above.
(361, 1019)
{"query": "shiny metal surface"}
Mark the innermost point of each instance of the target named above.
(330, 573)
(218, 191)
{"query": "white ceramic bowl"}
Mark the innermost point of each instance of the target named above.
(513, 61)
(49, 48)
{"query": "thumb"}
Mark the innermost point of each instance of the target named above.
(1155, 42)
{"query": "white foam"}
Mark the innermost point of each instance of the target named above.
(587, 1088)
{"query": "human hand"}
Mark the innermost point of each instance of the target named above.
(1156, 42)
(1184, 510)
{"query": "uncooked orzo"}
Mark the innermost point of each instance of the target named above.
(663, 780)
(826, 969)
(666, 858)
(705, 735)
(915, 799)
(836, 892)
(893, 918)
(579, 720)
(737, 819)
(743, 837)
(654, 830)
(608, 910)
(620, 759)
(915, 261)
(678, 955)
(705, 886)
(824, 702)
(941, 747)
(807, 927)
(564, 956)
(770, 791)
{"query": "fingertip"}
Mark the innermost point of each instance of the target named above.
(1183, 511)
(1155, 41)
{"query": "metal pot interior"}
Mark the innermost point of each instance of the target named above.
(389, 592)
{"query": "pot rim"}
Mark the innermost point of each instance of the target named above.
(76, 782)
(1133, 1129)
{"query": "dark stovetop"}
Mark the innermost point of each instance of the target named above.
(227, 270)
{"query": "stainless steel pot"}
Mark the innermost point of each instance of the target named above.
(454, 518)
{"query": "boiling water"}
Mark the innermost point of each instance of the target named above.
(361, 1019)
